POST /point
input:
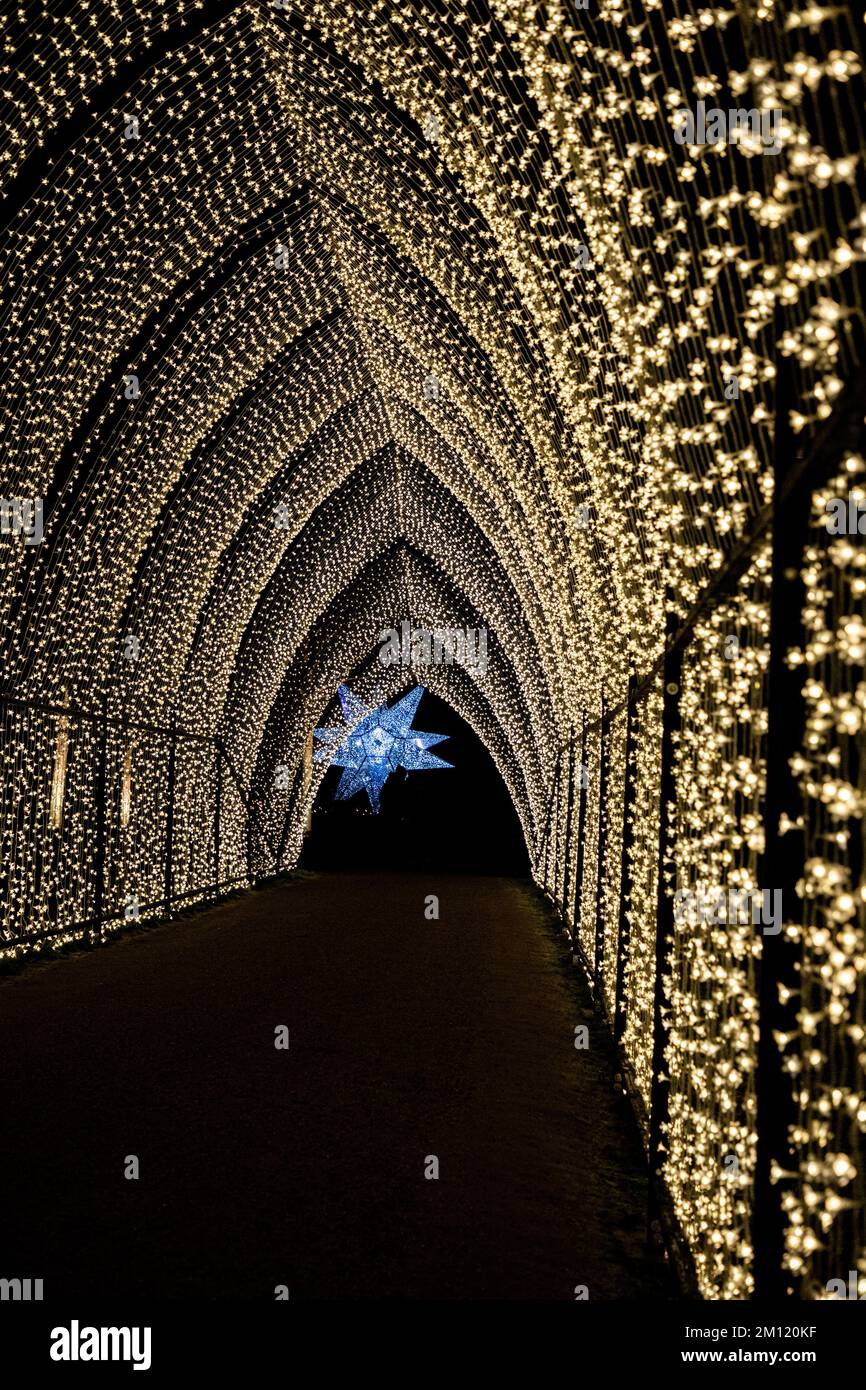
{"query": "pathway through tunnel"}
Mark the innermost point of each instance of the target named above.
(409, 1038)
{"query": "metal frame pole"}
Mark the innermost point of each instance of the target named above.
(604, 741)
(781, 864)
(626, 882)
(660, 1086)
(169, 821)
(217, 820)
(569, 826)
(101, 808)
(581, 831)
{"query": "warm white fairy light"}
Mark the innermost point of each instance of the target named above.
(712, 1056)
(826, 1235)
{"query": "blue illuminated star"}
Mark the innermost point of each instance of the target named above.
(374, 743)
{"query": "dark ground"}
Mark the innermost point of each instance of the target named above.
(262, 1167)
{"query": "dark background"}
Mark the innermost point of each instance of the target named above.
(458, 819)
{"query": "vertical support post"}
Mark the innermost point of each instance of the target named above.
(565, 855)
(626, 881)
(169, 816)
(249, 810)
(660, 1088)
(554, 824)
(581, 830)
(217, 816)
(782, 863)
(562, 801)
(569, 826)
(548, 829)
(604, 741)
(100, 796)
(547, 845)
(295, 796)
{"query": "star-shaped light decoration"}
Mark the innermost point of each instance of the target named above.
(374, 743)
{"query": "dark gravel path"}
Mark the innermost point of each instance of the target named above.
(305, 1167)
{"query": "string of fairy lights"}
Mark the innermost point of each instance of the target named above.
(826, 1058)
(322, 320)
(712, 1056)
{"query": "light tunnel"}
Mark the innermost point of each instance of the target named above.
(321, 318)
